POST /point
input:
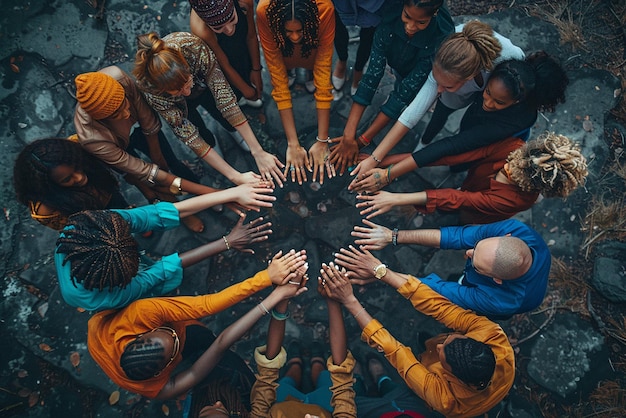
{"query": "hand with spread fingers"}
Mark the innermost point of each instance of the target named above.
(297, 164)
(336, 284)
(270, 168)
(319, 153)
(361, 168)
(358, 263)
(283, 268)
(376, 204)
(376, 237)
(242, 235)
(254, 196)
(371, 181)
(291, 289)
(345, 154)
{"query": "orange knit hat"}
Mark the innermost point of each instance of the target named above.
(99, 94)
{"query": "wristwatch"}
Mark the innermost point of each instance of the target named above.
(380, 271)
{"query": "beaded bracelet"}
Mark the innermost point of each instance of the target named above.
(280, 316)
(376, 159)
(327, 140)
(394, 236)
(226, 242)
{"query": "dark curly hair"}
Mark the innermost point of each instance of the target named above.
(100, 248)
(471, 361)
(33, 183)
(539, 80)
(306, 12)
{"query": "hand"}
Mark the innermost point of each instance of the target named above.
(344, 154)
(248, 177)
(295, 287)
(281, 267)
(243, 235)
(360, 264)
(371, 181)
(270, 167)
(297, 162)
(254, 196)
(361, 168)
(319, 154)
(250, 93)
(375, 204)
(376, 237)
(257, 82)
(336, 284)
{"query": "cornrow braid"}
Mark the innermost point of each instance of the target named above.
(218, 389)
(471, 361)
(306, 12)
(142, 359)
(551, 164)
(100, 248)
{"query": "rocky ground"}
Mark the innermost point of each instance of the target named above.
(571, 357)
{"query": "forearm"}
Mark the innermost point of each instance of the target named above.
(196, 204)
(276, 331)
(214, 160)
(338, 342)
(425, 237)
(403, 167)
(248, 135)
(323, 121)
(289, 126)
(416, 198)
(395, 134)
(356, 112)
(165, 179)
(191, 257)
(379, 123)
(359, 313)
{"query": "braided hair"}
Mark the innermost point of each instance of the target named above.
(431, 7)
(33, 182)
(306, 12)
(471, 361)
(158, 66)
(539, 80)
(464, 54)
(100, 248)
(551, 164)
(142, 359)
(218, 389)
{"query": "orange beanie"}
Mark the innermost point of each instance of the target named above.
(99, 94)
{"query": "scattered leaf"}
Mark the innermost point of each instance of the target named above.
(45, 347)
(24, 393)
(165, 409)
(15, 68)
(22, 373)
(79, 309)
(114, 397)
(33, 398)
(75, 358)
(42, 309)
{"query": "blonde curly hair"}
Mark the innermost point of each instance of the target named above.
(551, 164)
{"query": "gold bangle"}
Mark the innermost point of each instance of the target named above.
(175, 187)
(153, 173)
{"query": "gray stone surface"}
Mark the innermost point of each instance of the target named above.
(609, 278)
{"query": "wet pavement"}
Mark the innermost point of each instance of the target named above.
(46, 368)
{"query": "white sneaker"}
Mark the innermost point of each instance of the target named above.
(337, 95)
(291, 75)
(258, 103)
(239, 140)
(353, 90)
(338, 82)
(310, 86)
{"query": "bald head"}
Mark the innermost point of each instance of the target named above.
(512, 258)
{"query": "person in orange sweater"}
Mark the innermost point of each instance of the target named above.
(140, 346)
(300, 34)
(502, 179)
(464, 373)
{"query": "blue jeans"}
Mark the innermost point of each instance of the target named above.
(320, 396)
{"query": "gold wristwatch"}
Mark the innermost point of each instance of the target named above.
(380, 271)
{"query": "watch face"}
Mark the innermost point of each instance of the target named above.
(380, 271)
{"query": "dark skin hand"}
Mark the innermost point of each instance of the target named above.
(242, 235)
(335, 284)
(343, 155)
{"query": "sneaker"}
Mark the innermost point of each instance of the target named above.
(337, 95)
(291, 75)
(239, 140)
(338, 82)
(310, 86)
(258, 103)
(353, 90)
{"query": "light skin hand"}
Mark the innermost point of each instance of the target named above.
(299, 159)
(376, 204)
(319, 154)
(282, 266)
(371, 181)
(270, 167)
(361, 168)
(249, 177)
(345, 154)
(358, 263)
(375, 237)
(254, 197)
(243, 235)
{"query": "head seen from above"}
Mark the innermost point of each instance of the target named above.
(416, 15)
(150, 353)
(219, 15)
(294, 22)
(161, 68)
(471, 361)
(501, 258)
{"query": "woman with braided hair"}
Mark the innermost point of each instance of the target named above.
(55, 177)
(503, 179)
(98, 261)
(515, 93)
(462, 66)
(299, 34)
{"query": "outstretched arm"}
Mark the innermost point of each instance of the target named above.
(247, 195)
(187, 379)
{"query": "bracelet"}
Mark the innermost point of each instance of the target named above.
(258, 69)
(389, 174)
(376, 159)
(327, 140)
(175, 187)
(359, 313)
(280, 316)
(394, 236)
(364, 140)
(153, 173)
(262, 308)
(206, 152)
(226, 242)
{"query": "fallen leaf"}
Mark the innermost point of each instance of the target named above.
(75, 358)
(33, 398)
(22, 373)
(15, 68)
(165, 409)
(114, 397)
(79, 309)
(24, 393)
(45, 347)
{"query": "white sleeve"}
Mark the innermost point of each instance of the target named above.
(509, 50)
(420, 104)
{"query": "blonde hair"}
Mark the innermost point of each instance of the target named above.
(551, 164)
(464, 54)
(159, 66)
